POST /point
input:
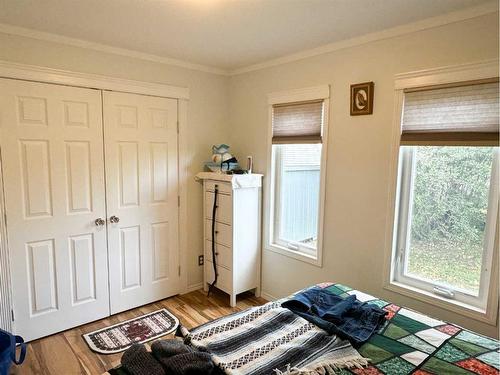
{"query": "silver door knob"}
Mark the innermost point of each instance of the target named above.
(99, 221)
(114, 219)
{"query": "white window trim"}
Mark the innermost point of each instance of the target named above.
(421, 79)
(290, 96)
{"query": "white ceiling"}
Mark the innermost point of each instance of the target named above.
(226, 34)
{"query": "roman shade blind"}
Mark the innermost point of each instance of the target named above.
(298, 122)
(460, 115)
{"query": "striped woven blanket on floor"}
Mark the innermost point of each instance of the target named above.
(269, 339)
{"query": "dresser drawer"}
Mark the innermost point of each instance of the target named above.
(224, 280)
(223, 233)
(224, 254)
(223, 187)
(224, 211)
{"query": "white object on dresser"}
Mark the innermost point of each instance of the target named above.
(237, 227)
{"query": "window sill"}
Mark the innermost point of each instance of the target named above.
(315, 261)
(486, 316)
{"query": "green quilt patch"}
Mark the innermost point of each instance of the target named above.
(375, 353)
(408, 324)
(437, 366)
(395, 332)
(378, 302)
(396, 366)
(478, 340)
(390, 345)
(468, 347)
(335, 290)
(451, 354)
(343, 287)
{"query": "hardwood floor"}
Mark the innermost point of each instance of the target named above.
(66, 353)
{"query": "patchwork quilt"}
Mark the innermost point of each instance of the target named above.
(413, 343)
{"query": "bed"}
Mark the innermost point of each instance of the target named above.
(407, 343)
(268, 340)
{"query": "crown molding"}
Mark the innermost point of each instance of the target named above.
(428, 23)
(49, 37)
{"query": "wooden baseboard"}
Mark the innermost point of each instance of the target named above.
(267, 296)
(193, 287)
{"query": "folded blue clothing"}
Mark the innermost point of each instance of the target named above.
(347, 317)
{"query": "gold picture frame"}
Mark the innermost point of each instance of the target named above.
(362, 98)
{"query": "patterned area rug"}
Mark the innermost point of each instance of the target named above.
(119, 337)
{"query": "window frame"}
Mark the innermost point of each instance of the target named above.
(405, 187)
(276, 240)
(284, 97)
(425, 79)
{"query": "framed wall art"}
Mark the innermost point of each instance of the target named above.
(362, 99)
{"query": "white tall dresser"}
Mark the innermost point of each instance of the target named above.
(237, 232)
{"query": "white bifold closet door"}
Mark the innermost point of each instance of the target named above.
(71, 156)
(140, 134)
(52, 158)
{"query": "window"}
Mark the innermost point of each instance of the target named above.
(296, 209)
(296, 170)
(448, 192)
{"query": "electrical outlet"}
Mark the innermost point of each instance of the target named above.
(201, 260)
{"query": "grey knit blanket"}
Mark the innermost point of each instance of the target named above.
(270, 339)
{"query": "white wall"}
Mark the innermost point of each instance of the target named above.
(207, 109)
(358, 150)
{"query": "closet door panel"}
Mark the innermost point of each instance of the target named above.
(128, 154)
(52, 159)
(141, 186)
(78, 177)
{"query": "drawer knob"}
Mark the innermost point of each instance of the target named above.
(216, 232)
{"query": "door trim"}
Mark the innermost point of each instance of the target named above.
(25, 72)
(5, 289)
(183, 181)
(64, 77)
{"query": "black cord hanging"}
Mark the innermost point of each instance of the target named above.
(214, 254)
